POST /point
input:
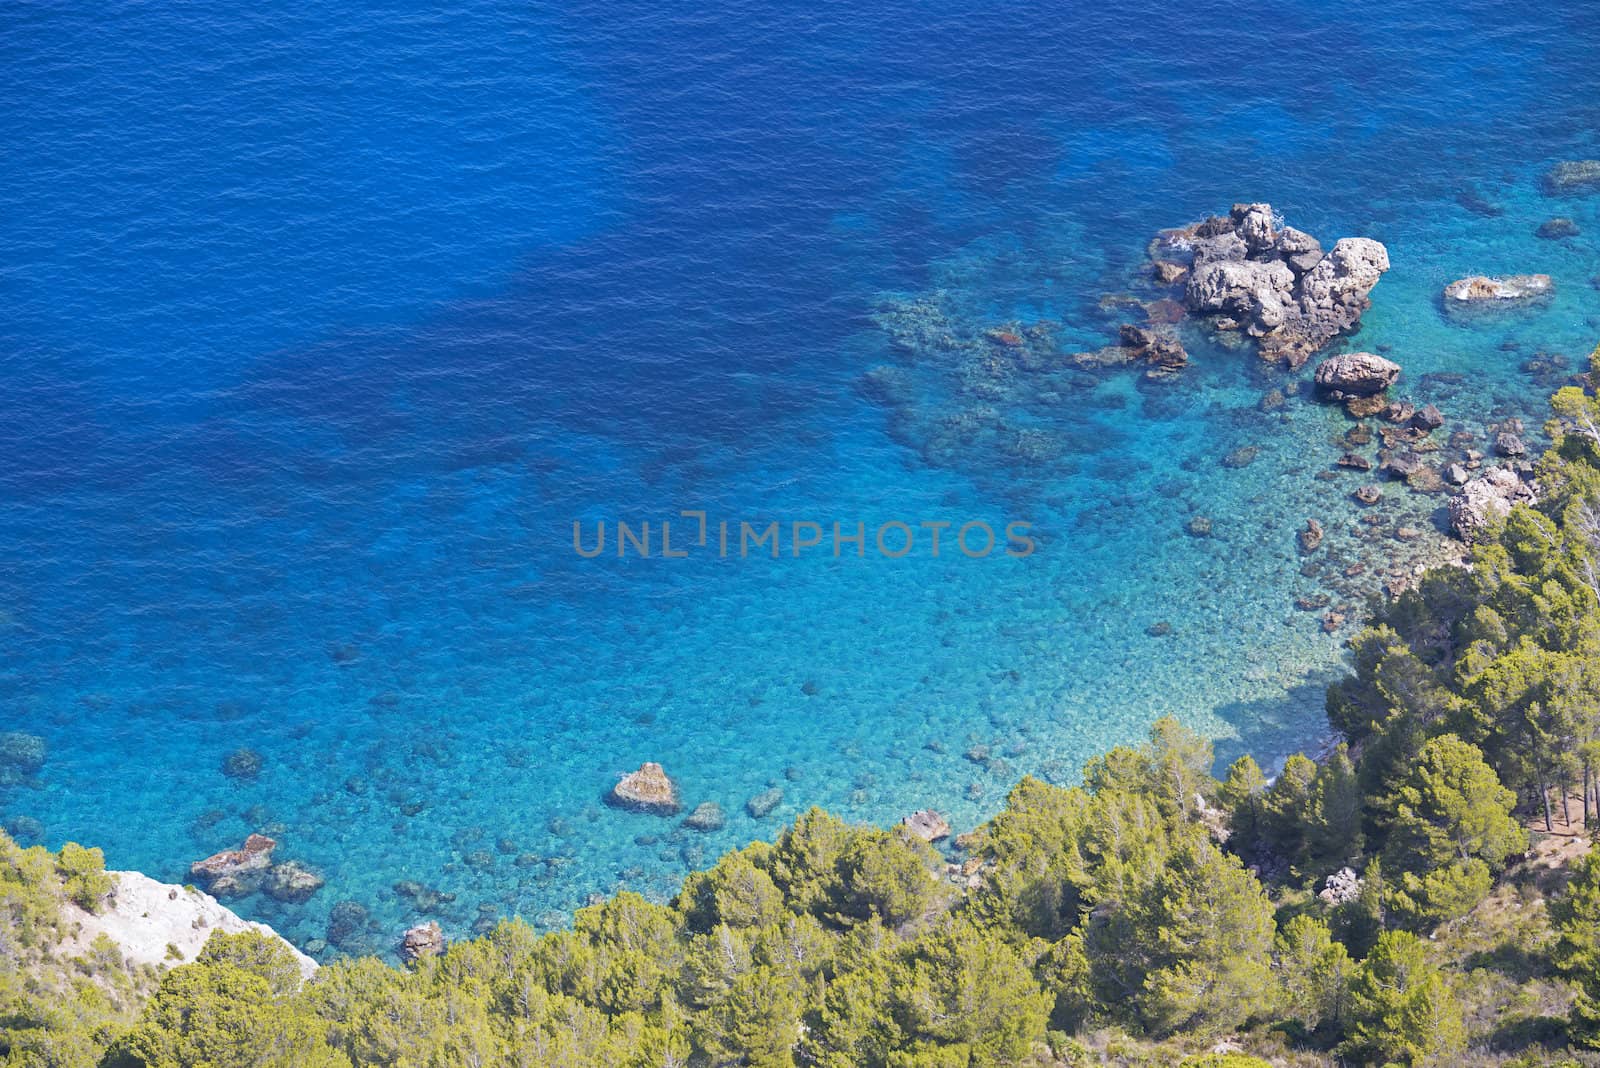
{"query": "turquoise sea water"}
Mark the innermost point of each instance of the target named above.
(322, 326)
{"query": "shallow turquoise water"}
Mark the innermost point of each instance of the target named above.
(323, 330)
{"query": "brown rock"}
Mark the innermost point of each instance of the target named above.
(1364, 407)
(1354, 461)
(1311, 537)
(1200, 526)
(1243, 456)
(1480, 290)
(647, 790)
(1168, 273)
(1368, 494)
(423, 940)
(235, 872)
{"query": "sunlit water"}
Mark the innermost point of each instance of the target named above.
(321, 327)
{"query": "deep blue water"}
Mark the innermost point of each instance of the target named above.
(323, 323)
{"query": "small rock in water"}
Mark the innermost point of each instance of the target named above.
(1399, 466)
(242, 764)
(1364, 407)
(1502, 290)
(1271, 401)
(1397, 412)
(1408, 534)
(423, 940)
(707, 816)
(1507, 443)
(1159, 630)
(927, 825)
(1311, 537)
(647, 790)
(1456, 475)
(809, 687)
(1368, 494)
(1168, 273)
(1558, 228)
(1332, 622)
(1355, 462)
(1200, 526)
(1360, 434)
(292, 882)
(1425, 479)
(1572, 177)
(761, 805)
(1313, 603)
(1243, 456)
(1427, 418)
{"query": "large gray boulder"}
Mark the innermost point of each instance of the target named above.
(1487, 498)
(1273, 281)
(1355, 374)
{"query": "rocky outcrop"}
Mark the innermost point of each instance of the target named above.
(647, 790)
(1355, 374)
(1573, 177)
(1274, 282)
(143, 918)
(1487, 498)
(236, 872)
(1505, 291)
(423, 940)
(927, 825)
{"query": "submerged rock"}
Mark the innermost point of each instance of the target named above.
(1508, 443)
(761, 805)
(1487, 498)
(1243, 456)
(1355, 374)
(1573, 177)
(292, 882)
(1310, 537)
(707, 816)
(1505, 290)
(927, 825)
(647, 790)
(1557, 229)
(21, 755)
(242, 764)
(1427, 418)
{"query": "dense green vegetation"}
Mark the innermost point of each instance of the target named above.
(1154, 915)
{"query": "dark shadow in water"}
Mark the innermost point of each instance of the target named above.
(1272, 729)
